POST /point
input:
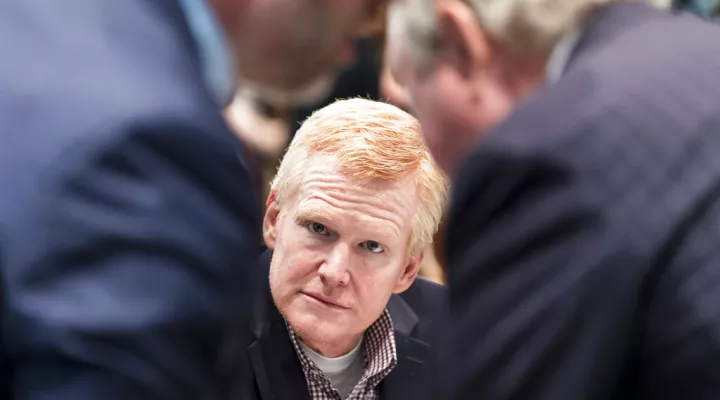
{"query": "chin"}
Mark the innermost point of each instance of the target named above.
(314, 329)
(311, 93)
(313, 325)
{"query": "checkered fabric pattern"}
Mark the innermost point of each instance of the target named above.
(380, 358)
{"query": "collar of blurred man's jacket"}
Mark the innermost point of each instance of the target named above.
(217, 63)
(561, 54)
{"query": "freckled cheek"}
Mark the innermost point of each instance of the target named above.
(372, 293)
(298, 271)
(285, 283)
(300, 266)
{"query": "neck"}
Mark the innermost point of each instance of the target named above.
(512, 80)
(333, 349)
(522, 76)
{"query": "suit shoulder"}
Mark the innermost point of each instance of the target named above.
(177, 142)
(425, 297)
(428, 287)
(110, 79)
(612, 86)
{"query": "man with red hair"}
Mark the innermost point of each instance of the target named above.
(340, 313)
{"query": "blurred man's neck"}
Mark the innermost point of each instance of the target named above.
(522, 76)
(525, 74)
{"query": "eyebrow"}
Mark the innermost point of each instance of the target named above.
(318, 215)
(312, 213)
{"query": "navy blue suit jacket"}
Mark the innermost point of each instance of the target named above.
(127, 222)
(584, 237)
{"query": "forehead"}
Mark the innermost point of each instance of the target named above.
(367, 206)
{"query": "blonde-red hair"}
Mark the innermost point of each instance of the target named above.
(372, 141)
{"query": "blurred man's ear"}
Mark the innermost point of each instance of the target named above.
(391, 89)
(409, 274)
(272, 212)
(464, 44)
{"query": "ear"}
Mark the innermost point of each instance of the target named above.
(272, 212)
(409, 274)
(463, 43)
(389, 87)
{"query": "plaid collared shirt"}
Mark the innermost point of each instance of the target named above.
(380, 358)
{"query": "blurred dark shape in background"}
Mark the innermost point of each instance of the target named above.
(703, 8)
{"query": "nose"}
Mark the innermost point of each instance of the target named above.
(334, 270)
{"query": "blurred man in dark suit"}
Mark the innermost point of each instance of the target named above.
(583, 137)
(127, 220)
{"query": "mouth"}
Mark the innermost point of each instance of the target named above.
(322, 301)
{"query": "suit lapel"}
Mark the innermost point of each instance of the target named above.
(607, 24)
(277, 370)
(412, 354)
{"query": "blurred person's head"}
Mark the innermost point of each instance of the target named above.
(356, 200)
(391, 91)
(289, 50)
(467, 63)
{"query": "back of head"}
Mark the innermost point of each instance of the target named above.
(469, 63)
(520, 25)
(371, 141)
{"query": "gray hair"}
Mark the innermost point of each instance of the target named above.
(522, 25)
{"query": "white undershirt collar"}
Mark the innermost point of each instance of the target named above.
(332, 365)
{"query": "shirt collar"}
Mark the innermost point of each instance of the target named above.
(380, 356)
(561, 54)
(216, 60)
(332, 365)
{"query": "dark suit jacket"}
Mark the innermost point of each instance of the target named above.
(584, 242)
(267, 367)
(127, 223)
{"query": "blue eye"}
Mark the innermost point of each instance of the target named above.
(316, 228)
(373, 246)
